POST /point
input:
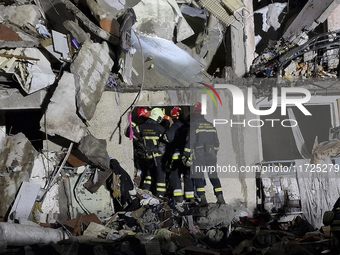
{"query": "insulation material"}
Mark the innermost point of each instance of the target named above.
(159, 18)
(22, 235)
(318, 190)
(34, 75)
(270, 15)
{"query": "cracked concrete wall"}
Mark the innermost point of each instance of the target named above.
(239, 145)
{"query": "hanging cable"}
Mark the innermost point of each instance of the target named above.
(135, 101)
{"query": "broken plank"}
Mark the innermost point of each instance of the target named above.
(17, 56)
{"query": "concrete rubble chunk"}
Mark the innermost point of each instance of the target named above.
(17, 154)
(215, 215)
(61, 116)
(21, 15)
(91, 69)
(16, 163)
(76, 31)
(159, 18)
(95, 150)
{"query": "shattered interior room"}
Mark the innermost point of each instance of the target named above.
(169, 127)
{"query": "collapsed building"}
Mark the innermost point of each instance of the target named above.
(73, 71)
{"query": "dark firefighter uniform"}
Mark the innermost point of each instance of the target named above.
(205, 144)
(176, 137)
(151, 132)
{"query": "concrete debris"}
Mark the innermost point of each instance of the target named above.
(57, 57)
(159, 18)
(16, 162)
(215, 215)
(34, 76)
(21, 15)
(60, 117)
(95, 150)
(91, 69)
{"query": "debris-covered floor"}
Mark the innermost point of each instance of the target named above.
(64, 191)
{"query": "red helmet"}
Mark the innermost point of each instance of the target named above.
(141, 111)
(175, 112)
(197, 108)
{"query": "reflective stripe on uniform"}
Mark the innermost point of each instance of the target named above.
(161, 184)
(200, 189)
(187, 150)
(175, 155)
(148, 177)
(147, 182)
(153, 138)
(218, 189)
(189, 194)
(205, 130)
(161, 189)
(178, 192)
(216, 148)
(156, 155)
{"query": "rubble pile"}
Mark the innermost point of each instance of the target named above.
(59, 56)
(317, 57)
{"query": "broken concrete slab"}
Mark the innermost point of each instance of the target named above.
(16, 162)
(159, 18)
(34, 74)
(116, 9)
(95, 150)
(91, 69)
(214, 215)
(313, 13)
(17, 155)
(170, 64)
(61, 114)
(21, 15)
(11, 99)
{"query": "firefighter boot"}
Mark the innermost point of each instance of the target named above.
(220, 199)
(203, 201)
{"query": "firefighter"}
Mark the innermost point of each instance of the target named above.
(176, 136)
(205, 145)
(151, 132)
